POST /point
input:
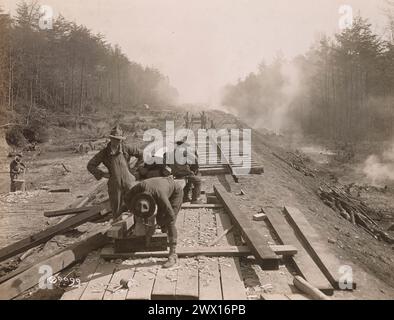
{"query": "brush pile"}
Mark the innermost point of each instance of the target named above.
(354, 210)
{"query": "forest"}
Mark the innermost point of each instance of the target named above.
(68, 69)
(342, 89)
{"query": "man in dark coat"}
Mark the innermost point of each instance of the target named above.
(116, 157)
(164, 193)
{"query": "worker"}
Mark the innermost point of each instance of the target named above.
(204, 120)
(187, 171)
(116, 157)
(187, 120)
(161, 196)
(17, 167)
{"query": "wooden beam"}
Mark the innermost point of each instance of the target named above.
(120, 229)
(60, 190)
(59, 261)
(318, 250)
(59, 213)
(202, 205)
(45, 235)
(305, 287)
(233, 287)
(303, 262)
(223, 170)
(261, 250)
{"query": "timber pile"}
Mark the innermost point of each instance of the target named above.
(354, 210)
(297, 162)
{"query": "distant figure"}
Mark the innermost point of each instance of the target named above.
(187, 120)
(212, 125)
(116, 157)
(204, 120)
(17, 167)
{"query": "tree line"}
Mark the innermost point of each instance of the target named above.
(344, 87)
(70, 69)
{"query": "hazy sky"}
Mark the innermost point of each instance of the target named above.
(204, 44)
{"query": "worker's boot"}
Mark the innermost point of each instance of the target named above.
(172, 259)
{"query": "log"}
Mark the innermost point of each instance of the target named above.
(305, 287)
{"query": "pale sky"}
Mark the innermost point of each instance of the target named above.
(201, 45)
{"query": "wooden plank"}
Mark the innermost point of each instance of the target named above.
(187, 277)
(114, 291)
(85, 270)
(187, 281)
(230, 270)
(200, 206)
(143, 280)
(165, 284)
(120, 229)
(99, 282)
(305, 287)
(261, 250)
(302, 260)
(326, 261)
(284, 250)
(59, 213)
(209, 274)
(298, 297)
(48, 233)
(59, 261)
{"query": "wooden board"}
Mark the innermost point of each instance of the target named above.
(86, 271)
(227, 251)
(48, 233)
(209, 274)
(203, 205)
(302, 260)
(326, 261)
(59, 261)
(230, 270)
(261, 250)
(120, 229)
(114, 291)
(165, 284)
(99, 281)
(143, 280)
(59, 213)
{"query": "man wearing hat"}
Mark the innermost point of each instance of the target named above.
(17, 167)
(160, 196)
(116, 157)
(183, 162)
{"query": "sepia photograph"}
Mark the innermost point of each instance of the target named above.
(226, 152)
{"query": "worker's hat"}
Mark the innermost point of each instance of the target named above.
(117, 133)
(142, 205)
